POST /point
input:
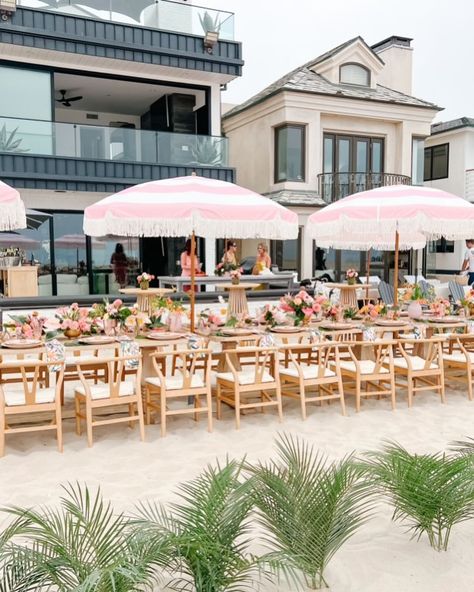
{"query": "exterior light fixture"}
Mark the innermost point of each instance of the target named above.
(7, 8)
(210, 40)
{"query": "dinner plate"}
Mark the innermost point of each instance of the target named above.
(391, 323)
(21, 343)
(164, 336)
(286, 329)
(231, 332)
(336, 326)
(444, 320)
(97, 340)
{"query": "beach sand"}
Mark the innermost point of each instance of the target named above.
(380, 557)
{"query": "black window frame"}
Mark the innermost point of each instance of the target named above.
(428, 174)
(277, 129)
(360, 66)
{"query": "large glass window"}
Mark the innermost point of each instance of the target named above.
(354, 74)
(436, 162)
(115, 263)
(289, 153)
(287, 254)
(417, 161)
(25, 111)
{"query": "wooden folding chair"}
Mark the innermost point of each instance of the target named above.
(30, 396)
(307, 369)
(191, 377)
(420, 363)
(458, 361)
(117, 392)
(368, 368)
(237, 387)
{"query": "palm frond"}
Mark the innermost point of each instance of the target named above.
(309, 507)
(430, 492)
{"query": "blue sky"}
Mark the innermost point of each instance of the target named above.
(280, 35)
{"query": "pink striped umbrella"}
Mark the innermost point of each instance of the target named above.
(183, 205)
(399, 216)
(194, 206)
(12, 209)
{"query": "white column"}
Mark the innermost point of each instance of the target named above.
(306, 256)
(210, 260)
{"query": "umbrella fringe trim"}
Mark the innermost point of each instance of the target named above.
(12, 217)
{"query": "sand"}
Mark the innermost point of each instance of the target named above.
(380, 557)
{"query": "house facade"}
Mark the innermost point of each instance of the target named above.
(449, 165)
(98, 96)
(342, 123)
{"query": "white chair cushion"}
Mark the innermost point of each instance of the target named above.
(74, 360)
(309, 372)
(102, 391)
(417, 363)
(245, 377)
(458, 357)
(365, 366)
(16, 396)
(173, 383)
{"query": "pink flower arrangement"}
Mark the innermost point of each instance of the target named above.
(75, 318)
(335, 312)
(440, 307)
(351, 274)
(29, 326)
(145, 277)
(300, 307)
(236, 273)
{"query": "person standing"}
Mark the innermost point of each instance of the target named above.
(186, 264)
(119, 264)
(229, 260)
(468, 264)
(263, 260)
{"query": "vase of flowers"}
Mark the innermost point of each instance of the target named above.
(335, 313)
(413, 294)
(235, 275)
(30, 326)
(299, 307)
(74, 320)
(440, 307)
(351, 276)
(144, 280)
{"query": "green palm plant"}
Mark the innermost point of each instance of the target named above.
(8, 142)
(208, 533)
(82, 546)
(464, 447)
(430, 492)
(309, 507)
(209, 24)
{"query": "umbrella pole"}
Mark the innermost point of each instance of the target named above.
(395, 279)
(367, 273)
(193, 278)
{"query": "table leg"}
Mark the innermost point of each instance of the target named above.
(237, 303)
(348, 298)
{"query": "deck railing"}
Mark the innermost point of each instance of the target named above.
(335, 186)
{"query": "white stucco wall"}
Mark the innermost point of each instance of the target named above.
(398, 70)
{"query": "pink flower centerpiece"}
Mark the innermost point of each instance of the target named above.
(235, 275)
(351, 276)
(74, 320)
(144, 280)
(301, 307)
(440, 307)
(29, 326)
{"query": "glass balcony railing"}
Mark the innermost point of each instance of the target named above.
(157, 14)
(46, 138)
(335, 186)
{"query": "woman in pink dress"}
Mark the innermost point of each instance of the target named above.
(186, 264)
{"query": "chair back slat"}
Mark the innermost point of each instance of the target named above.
(188, 363)
(117, 370)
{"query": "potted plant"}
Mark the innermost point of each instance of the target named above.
(235, 276)
(300, 307)
(8, 142)
(414, 295)
(144, 280)
(351, 276)
(74, 320)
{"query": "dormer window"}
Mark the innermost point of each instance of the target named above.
(354, 74)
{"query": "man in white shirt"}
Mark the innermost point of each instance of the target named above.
(468, 264)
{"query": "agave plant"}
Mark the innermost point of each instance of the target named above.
(208, 533)
(209, 24)
(81, 546)
(207, 151)
(8, 142)
(309, 507)
(430, 492)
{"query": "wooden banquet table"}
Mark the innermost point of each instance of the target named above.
(146, 297)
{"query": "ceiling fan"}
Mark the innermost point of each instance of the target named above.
(66, 102)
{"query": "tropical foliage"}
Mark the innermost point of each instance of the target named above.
(8, 141)
(210, 24)
(308, 506)
(429, 492)
(208, 533)
(82, 546)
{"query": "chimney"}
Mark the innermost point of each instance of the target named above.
(397, 54)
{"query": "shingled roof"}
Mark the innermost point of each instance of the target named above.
(303, 79)
(448, 126)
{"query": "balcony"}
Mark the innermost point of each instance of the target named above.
(66, 156)
(132, 33)
(335, 186)
(166, 15)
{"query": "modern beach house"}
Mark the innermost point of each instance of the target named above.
(344, 122)
(99, 95)
(449, 165)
